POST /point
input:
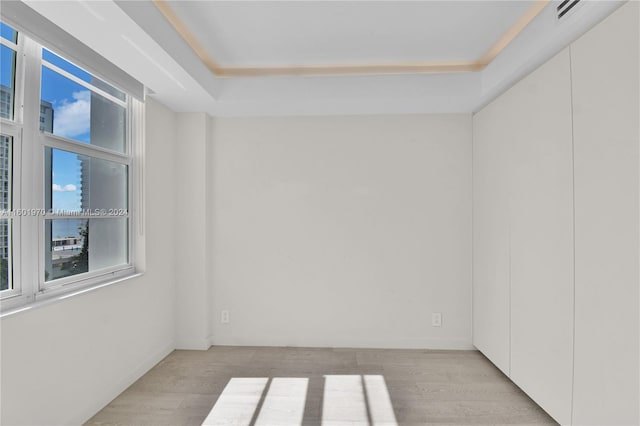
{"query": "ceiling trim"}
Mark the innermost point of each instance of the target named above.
(513, 32)
(186, 34)
(348, 69)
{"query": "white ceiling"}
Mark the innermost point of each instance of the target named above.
(135, 36)
(246, 33)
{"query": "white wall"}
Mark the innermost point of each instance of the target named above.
(192, 292)
(62, 362)
(342, 231)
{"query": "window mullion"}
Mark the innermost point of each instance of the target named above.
(16, 223)
(31, 170)
(19, 84)
(10, 45)
(64, 144)
(135, 147)
(83, 83)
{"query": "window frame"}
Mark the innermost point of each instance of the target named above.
(14, 132)
(13, 128)
(28, 159)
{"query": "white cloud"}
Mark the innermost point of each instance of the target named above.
(71, 118)
(67, 188)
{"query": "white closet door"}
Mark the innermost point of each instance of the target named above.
(541, 237)
(605, 76)
(491, 232)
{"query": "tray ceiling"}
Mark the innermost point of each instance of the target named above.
(250, 38)
(324, 58)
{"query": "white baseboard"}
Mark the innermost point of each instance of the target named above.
(436, 344)
(111, 392)
(195, 344)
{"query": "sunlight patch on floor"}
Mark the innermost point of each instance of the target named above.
(352, 400)
(284, 403)
(238, 402)
(344, 401)
(379, 401)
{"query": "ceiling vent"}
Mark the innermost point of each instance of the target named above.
(564, 7)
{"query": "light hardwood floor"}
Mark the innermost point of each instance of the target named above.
(425, 387)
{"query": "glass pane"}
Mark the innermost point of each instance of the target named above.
(66, 65)
(5, 204)
(5, 172)
(75, 246)
(8, 33)
(79, 183)
(5, 266)
(80, 114)
(7, 79)
(81, 74)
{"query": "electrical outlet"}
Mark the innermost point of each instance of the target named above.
(224, 317)
(436, 319)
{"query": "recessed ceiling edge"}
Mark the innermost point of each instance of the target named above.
(348, 69)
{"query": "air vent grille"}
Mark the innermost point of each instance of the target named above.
(564, 7)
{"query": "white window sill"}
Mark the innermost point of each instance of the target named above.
(56, 299)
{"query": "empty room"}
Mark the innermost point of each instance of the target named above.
(323, 213)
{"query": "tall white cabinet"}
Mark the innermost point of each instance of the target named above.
(491, 277)
(557, 228)
(523, 235)
(606, 121)
(541, 237)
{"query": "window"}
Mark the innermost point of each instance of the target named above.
(65, 174)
